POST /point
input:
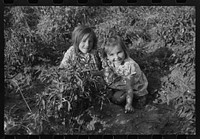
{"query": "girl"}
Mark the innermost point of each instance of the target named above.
(82, 54)
(122, 73)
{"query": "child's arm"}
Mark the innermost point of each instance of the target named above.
(129, 97)
(67, 58)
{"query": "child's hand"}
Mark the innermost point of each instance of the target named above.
(129, 108)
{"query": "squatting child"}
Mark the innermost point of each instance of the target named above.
(122, 73)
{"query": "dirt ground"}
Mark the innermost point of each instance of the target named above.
(112, 119)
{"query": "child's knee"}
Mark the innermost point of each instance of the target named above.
(119, 97)
(141, 93)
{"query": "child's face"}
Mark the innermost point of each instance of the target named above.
(116, 55)
(85, 44)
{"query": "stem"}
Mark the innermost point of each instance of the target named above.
(22, 96)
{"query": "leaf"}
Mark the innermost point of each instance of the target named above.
(69, 106)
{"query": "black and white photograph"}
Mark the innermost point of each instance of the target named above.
(99, 70)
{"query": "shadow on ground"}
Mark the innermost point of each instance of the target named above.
(155, 65)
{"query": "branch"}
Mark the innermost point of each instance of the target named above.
(22, 96)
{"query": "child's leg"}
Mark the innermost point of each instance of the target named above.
(140, 98)
(119, 97)
(141, 101)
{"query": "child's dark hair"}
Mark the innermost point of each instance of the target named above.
(78, 34)
(114, 41)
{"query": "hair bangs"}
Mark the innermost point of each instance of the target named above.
(79, 32)
(112, 42)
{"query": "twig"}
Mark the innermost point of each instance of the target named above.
(22, 96)
(8, 78)
(81, 82)
(11, 108)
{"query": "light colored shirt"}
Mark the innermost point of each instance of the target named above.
(116, 77)
(79, 61)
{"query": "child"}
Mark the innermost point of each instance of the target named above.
(122, 73)
(82, 54)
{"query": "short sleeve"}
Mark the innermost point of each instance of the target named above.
(130, 69)
(138, 81)
(67, 58)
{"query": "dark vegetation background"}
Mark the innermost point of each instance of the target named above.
(40, 99)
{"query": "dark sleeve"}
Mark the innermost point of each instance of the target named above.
(98, 60)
